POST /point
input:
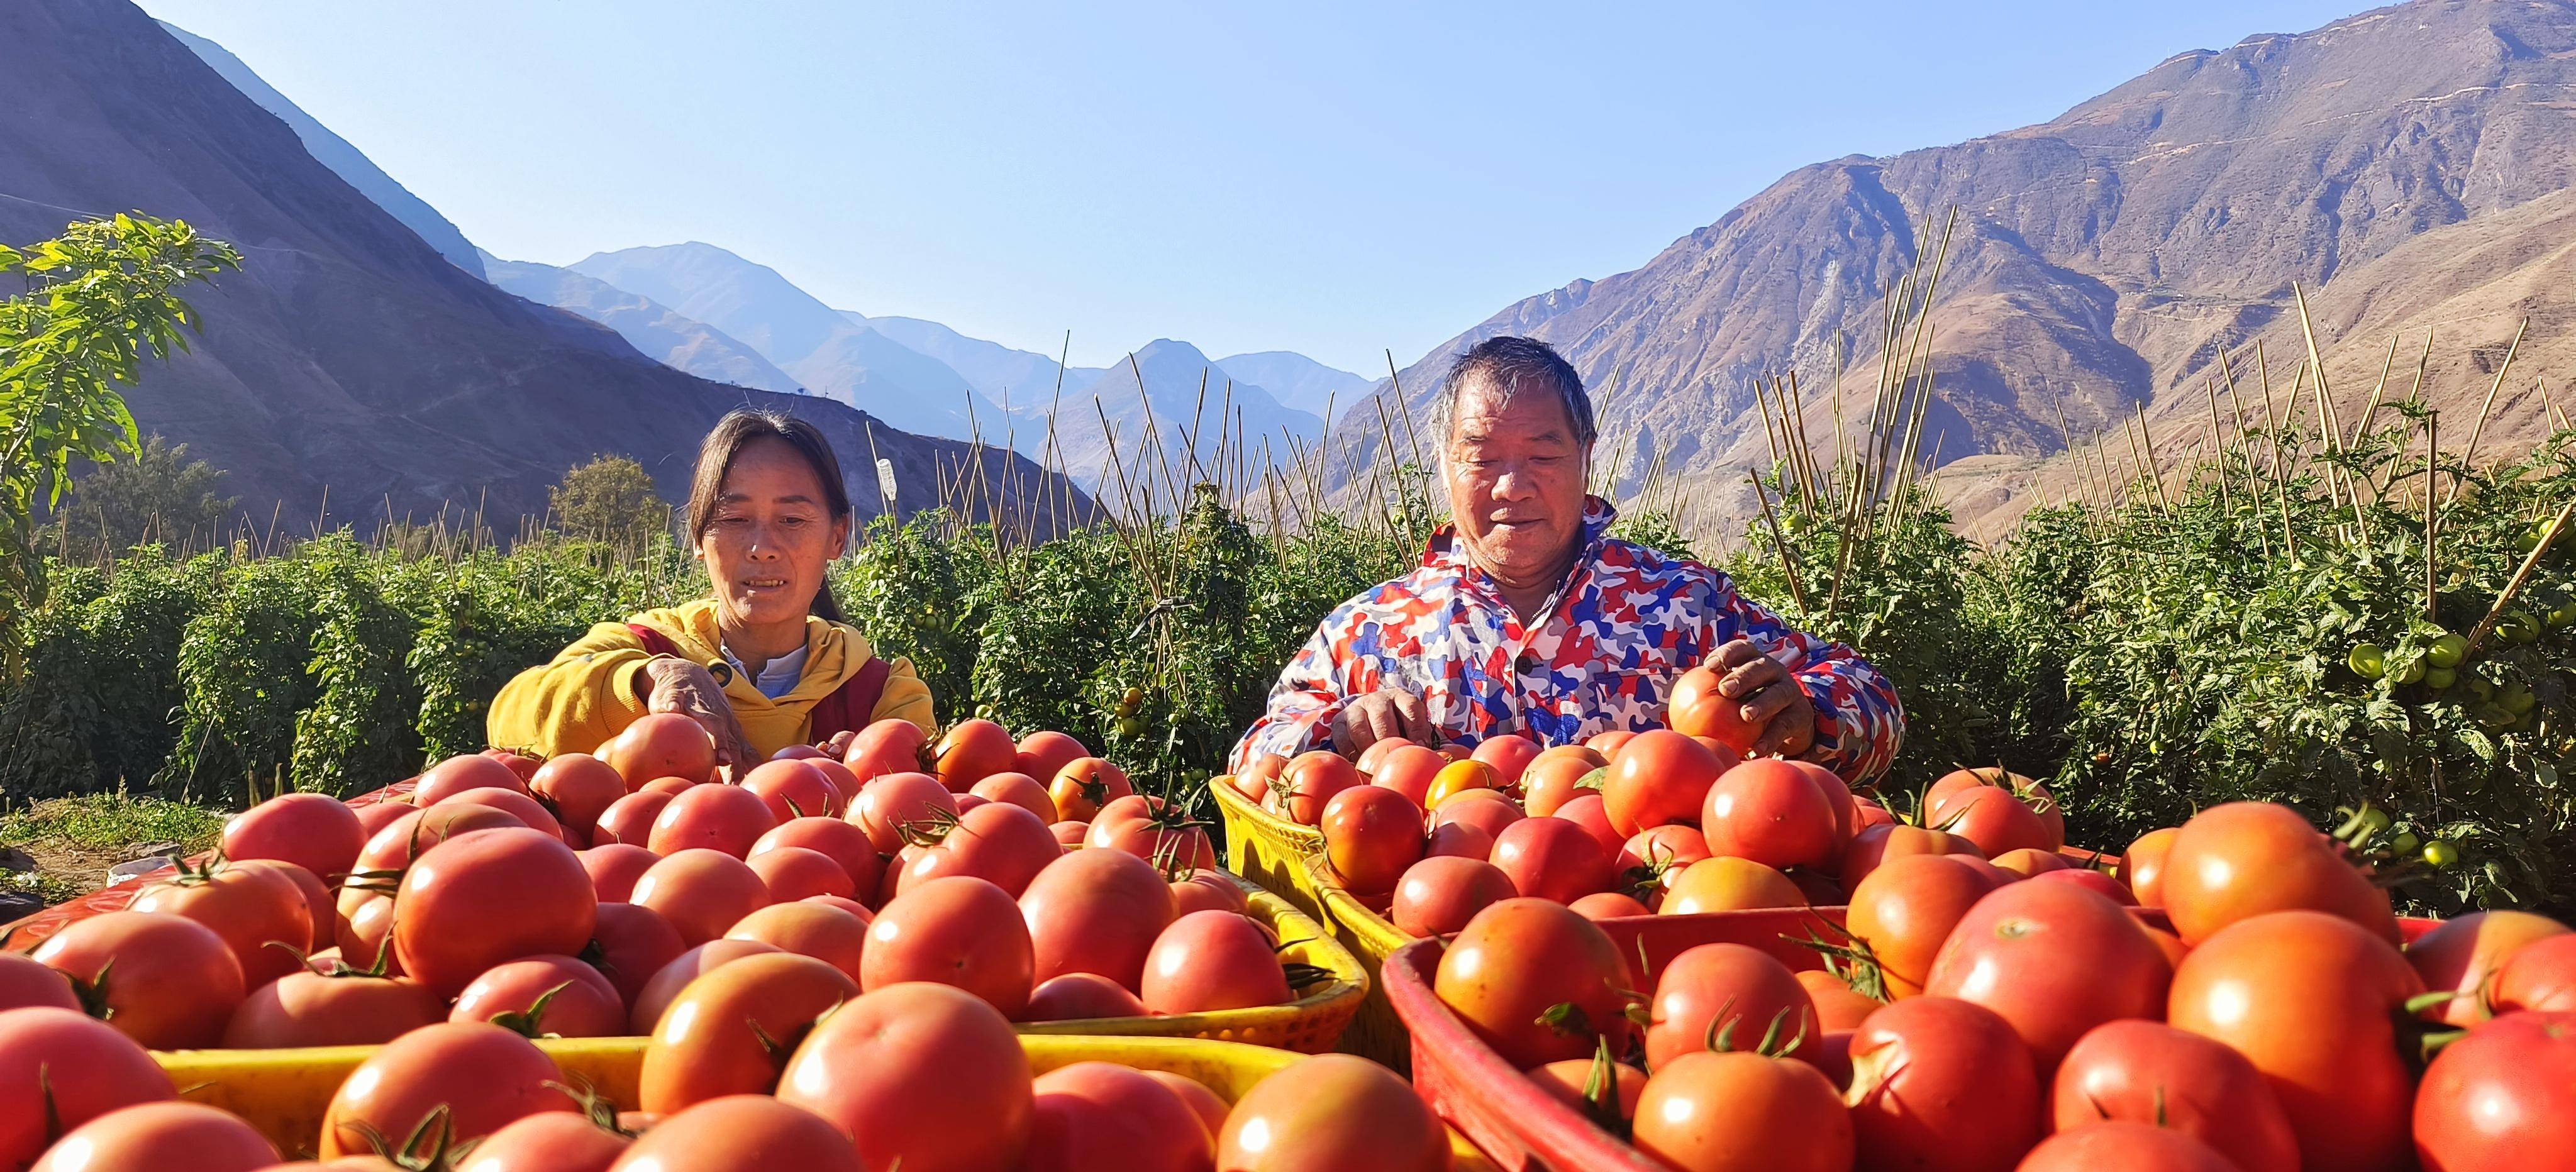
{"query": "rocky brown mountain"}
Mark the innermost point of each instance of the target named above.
(349, 358)
(2406, 166)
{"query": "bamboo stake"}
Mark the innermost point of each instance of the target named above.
(2480, 428)
(2548, 537)
(2432, 514)
(2556, 419)
(2361, 426)
(1788, 561)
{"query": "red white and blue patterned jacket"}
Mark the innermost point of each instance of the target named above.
(1626, 624)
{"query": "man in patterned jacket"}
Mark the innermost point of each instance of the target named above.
(1527, 617)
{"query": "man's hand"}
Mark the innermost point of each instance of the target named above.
(1770, 698)
(690, 690)
(1377, 716)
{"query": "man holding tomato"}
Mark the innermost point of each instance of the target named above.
(1527, 617)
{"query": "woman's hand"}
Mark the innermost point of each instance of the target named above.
(838, 746)
(690, 690)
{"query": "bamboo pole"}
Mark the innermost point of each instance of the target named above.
(2480, 428)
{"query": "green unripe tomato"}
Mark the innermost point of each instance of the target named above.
(2447, 650)
(2440, 678)
(2375, 820)
(2438, 853)
(2413, 671)
(1130, 726)
(2519, 626)
(2561, 615)
(2407, 842)
(2518, 700)
(2367, 661)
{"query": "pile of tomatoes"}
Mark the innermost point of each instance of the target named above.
(587, 895)
(2261, 1010)
(914, 1075)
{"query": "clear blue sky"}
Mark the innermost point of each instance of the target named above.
(1335, 178)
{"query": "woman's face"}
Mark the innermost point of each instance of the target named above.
(770, 538)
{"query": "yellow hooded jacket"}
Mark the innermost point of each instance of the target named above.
(595, 688)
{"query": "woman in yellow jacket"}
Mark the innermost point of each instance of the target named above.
(765, 662)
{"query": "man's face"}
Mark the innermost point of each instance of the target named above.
(1515, 477)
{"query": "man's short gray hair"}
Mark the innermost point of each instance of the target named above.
(1513, 364)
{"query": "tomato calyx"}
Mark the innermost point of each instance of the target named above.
(438, 1128)
(92, 993)
(599, 1109)
(1853, 962)
(1601, 1092)
(1720, 1035)
(1566, 1019)
(527, 1023)
(1598, 779)
(2420, 1041)
(1302, 975)
(931, 829)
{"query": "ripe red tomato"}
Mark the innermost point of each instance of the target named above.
(860, 1070)
(2093, 881)
(320, 905)
(456, 775)
(2124, 1147)
(1698, 710)
(793, 789)
(1045, 753)
(886, 747)
(1195, 1095)
(1906, 908)
(1371, 835)
(631, 944)
(1731, 989)
(661, 744)
(2009, 954)
(1207, 889)
(896, 807)
(248, 906)
(1658, 777)
(1095, 912)
(1587, 812)
(1839, 1009)
(530, 812)
(2312, 1000)
(1001, 844)
(1609, 743)
(1311, 780)
(1609, 905)
(1713, 1112)
(484, 1077)
(2542, 976)
(1332, 1111)
(311, 1009)
(741, 1131)
(828, 934)
(1081, 997)
(1552, 859)
(318, 833)
(1409, 770)
(1877, 844)
(615, 866)
(162, 1135)
(25, 982)
(1940, 799)
(2148, 1072)
(366, 929)
(173, 983)
(2142, 866)
(1554, 777)
(960, 931)
(1207, 961)
(673, 979)
(551, 1141)
(1465, 840)
(579, 1001)
(792, 873)
(479, 899)
(1438, 895)
(2464, 954)
(630, 819)
(59, 1070)
(2504, 1097)
(1938, 1083)
(970, 751)
(2243, 859)
(1102, 1117)
(1518, 958)
(842, 842)
(1084, 785)
(1509, 754)
(1653, 856)
(1485, 809)
(702, 893)
(728, 1031)
(2027, 862)
(1727, 884)
(1992, 818)
(1018, 789)
(725, 818)
(1770, 812)
(1168, 841)
(668, 786)
(1370, 757)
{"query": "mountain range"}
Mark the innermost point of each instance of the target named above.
(350, 371)
(2408, 168)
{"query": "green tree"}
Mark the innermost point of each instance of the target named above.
(610, 500)
(159, 495)
(98, 299)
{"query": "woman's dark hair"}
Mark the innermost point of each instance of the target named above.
(737, 430)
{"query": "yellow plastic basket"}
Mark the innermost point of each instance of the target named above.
(1272, 851)
(285, 1092)
(1375, 1032)
(1312, 1024)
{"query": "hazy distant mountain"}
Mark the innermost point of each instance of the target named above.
(1296, 380)
(1026, 380)
(1185, 396)
(653, 328)
(2104, 258)
(334, 152)
(825, 351)
(347, 357)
